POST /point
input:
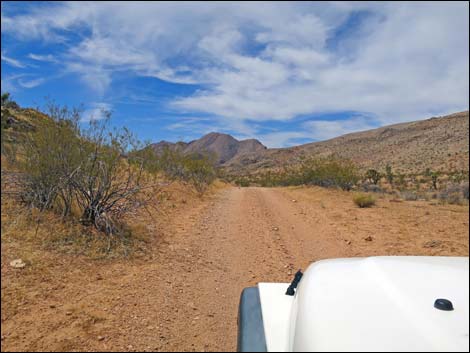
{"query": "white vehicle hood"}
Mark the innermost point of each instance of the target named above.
(371, 304)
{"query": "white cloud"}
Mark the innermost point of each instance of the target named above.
(282, 139)
(46, 58)
(326, 129)
(98, 111)
(272, 61)
(12, 61)
(31, 83)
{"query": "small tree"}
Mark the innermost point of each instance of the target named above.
(373, 176)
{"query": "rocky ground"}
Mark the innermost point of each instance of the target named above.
(183, 295)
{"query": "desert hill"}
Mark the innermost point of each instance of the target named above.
(438, 143)
(224, 147)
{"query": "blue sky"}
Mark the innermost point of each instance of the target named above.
(285, 73)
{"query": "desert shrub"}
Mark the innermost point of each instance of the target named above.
(242, 182)
(371, 188)
(389, 174)
(7, 102)
(458, 177)
(199, 171)
(434, 179)
(373, 176)
(171, 162)
(465, 191)
(400, 181)
(9, 150)
(51, 158)
(453, 198)
(364, 200)
(329, 172)
(454, 194)
(66, 165)
(326, 172)
(409, 195)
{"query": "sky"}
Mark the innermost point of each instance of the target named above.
(285, 73)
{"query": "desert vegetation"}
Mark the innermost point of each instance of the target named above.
(364, 200)
(89, 173)
(326, 172)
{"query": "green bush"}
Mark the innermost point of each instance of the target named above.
(242, 182)
(66, 165)
(373, 176)
(326, 172)
(329, 172)
(364, 200)
(199, 171)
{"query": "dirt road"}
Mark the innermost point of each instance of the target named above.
(185, 295)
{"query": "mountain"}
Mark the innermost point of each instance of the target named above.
(438, 143)
(224, 147)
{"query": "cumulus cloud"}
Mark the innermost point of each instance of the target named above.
(272, 61)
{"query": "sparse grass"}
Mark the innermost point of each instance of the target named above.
(48, 231)
(364, 200)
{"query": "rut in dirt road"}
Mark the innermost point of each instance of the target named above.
(248, 235)
(184, 294)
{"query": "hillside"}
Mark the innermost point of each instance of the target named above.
(438, 143)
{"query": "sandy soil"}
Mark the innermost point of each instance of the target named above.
(184, 294)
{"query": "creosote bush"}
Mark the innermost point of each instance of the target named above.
(195, 169)
(364, 200)
(85, 172)
(326, 172)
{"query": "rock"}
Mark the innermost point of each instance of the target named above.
(52, 306)
(275, 229)
(68, 313)
(100, 338)
(432, 244)
(18, 263)
(369, 238)
(294, 200)
(348, 242)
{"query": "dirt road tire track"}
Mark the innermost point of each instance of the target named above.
(184, 296)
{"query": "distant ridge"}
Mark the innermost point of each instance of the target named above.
(438, 143)
(223, 146)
